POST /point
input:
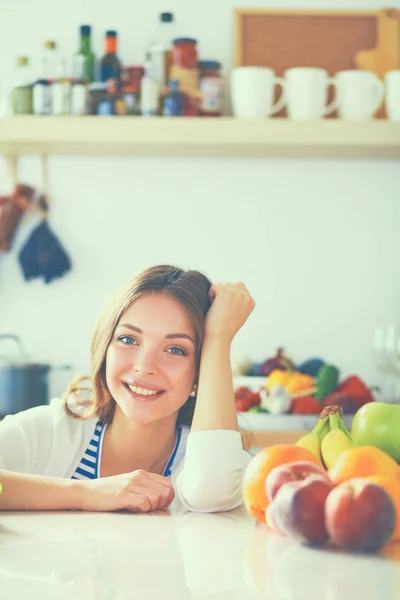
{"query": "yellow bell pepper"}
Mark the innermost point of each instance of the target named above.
(292, 381)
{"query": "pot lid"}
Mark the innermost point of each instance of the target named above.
(12, 351)
(21, 365)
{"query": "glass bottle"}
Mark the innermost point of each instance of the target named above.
(60, 93)
(150, 91)
(22, 92)
(110, 64)
(42, 91)
(52, 61)
(160, 48)
(174, 101)
(84, 60)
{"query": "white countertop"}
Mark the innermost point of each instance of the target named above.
(177, 555)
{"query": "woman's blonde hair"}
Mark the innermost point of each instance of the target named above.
(190, 288)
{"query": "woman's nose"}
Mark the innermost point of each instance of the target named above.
(145, 362)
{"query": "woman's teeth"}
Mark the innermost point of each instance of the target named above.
(142, 391)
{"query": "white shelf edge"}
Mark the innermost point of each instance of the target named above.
(224, 136)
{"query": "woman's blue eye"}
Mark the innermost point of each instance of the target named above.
(127, 339)
(177, 351)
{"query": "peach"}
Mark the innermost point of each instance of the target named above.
(299, 509)
(293, 471)
(360, 515)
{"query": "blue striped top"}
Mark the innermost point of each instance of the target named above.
(89, 464)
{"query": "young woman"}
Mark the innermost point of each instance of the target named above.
(161, 415)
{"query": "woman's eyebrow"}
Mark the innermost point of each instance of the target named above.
(168, 337)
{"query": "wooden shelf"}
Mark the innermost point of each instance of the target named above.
(163, 136)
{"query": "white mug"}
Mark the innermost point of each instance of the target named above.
(359, 94)
(392, 89)
(252, 92)
(307, 93)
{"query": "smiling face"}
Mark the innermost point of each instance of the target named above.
(151, 360)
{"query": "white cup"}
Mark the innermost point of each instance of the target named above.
(307, 93)
(359, 94)
(392, 89)
(252, 92)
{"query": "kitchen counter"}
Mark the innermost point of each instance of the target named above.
(178, 555)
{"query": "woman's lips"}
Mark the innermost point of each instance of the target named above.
(145, 397)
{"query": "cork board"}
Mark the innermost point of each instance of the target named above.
(333, 40)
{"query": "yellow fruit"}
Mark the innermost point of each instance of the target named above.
(333, 445)
(362, 462)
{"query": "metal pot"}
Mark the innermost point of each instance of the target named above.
(23, 384)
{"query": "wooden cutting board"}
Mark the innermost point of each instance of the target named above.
(333, 40)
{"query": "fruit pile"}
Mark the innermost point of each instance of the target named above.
(302, 389)
(325, 489)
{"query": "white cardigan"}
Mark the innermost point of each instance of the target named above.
(46, 441)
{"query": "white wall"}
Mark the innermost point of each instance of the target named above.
(316, 241)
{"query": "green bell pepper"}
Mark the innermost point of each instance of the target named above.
(327, 381)
(378, 424)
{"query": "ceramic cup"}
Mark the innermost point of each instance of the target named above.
(359, 94)
(252, 92)
(392, 93)
(307, 93)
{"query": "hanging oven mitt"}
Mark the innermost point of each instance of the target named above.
(12, 209)
(42, 255)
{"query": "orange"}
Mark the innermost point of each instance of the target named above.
(392, 487)
(362, 462)
(254, 494)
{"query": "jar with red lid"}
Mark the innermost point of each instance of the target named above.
(132, 75)
(210, 88)
(184, 53)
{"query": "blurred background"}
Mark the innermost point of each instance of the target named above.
(315, 240)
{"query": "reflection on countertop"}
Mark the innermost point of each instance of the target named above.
(180, 555)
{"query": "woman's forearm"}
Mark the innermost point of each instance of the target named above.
(32, 492)
(215, 404)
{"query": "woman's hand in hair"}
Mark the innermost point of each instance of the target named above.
(137, 491)
(231, 306)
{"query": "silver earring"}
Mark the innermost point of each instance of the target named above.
(193, 393)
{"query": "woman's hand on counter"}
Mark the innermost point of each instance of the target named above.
(138, 491)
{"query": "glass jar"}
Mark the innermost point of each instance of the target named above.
(131, 96)
(210, 88)
(97, 92)
(184, 53)
(132, 75)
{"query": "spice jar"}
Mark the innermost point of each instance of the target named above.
(132, 75)
(97, 92)
(132, 82)
(184, 53)
(210, 88)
